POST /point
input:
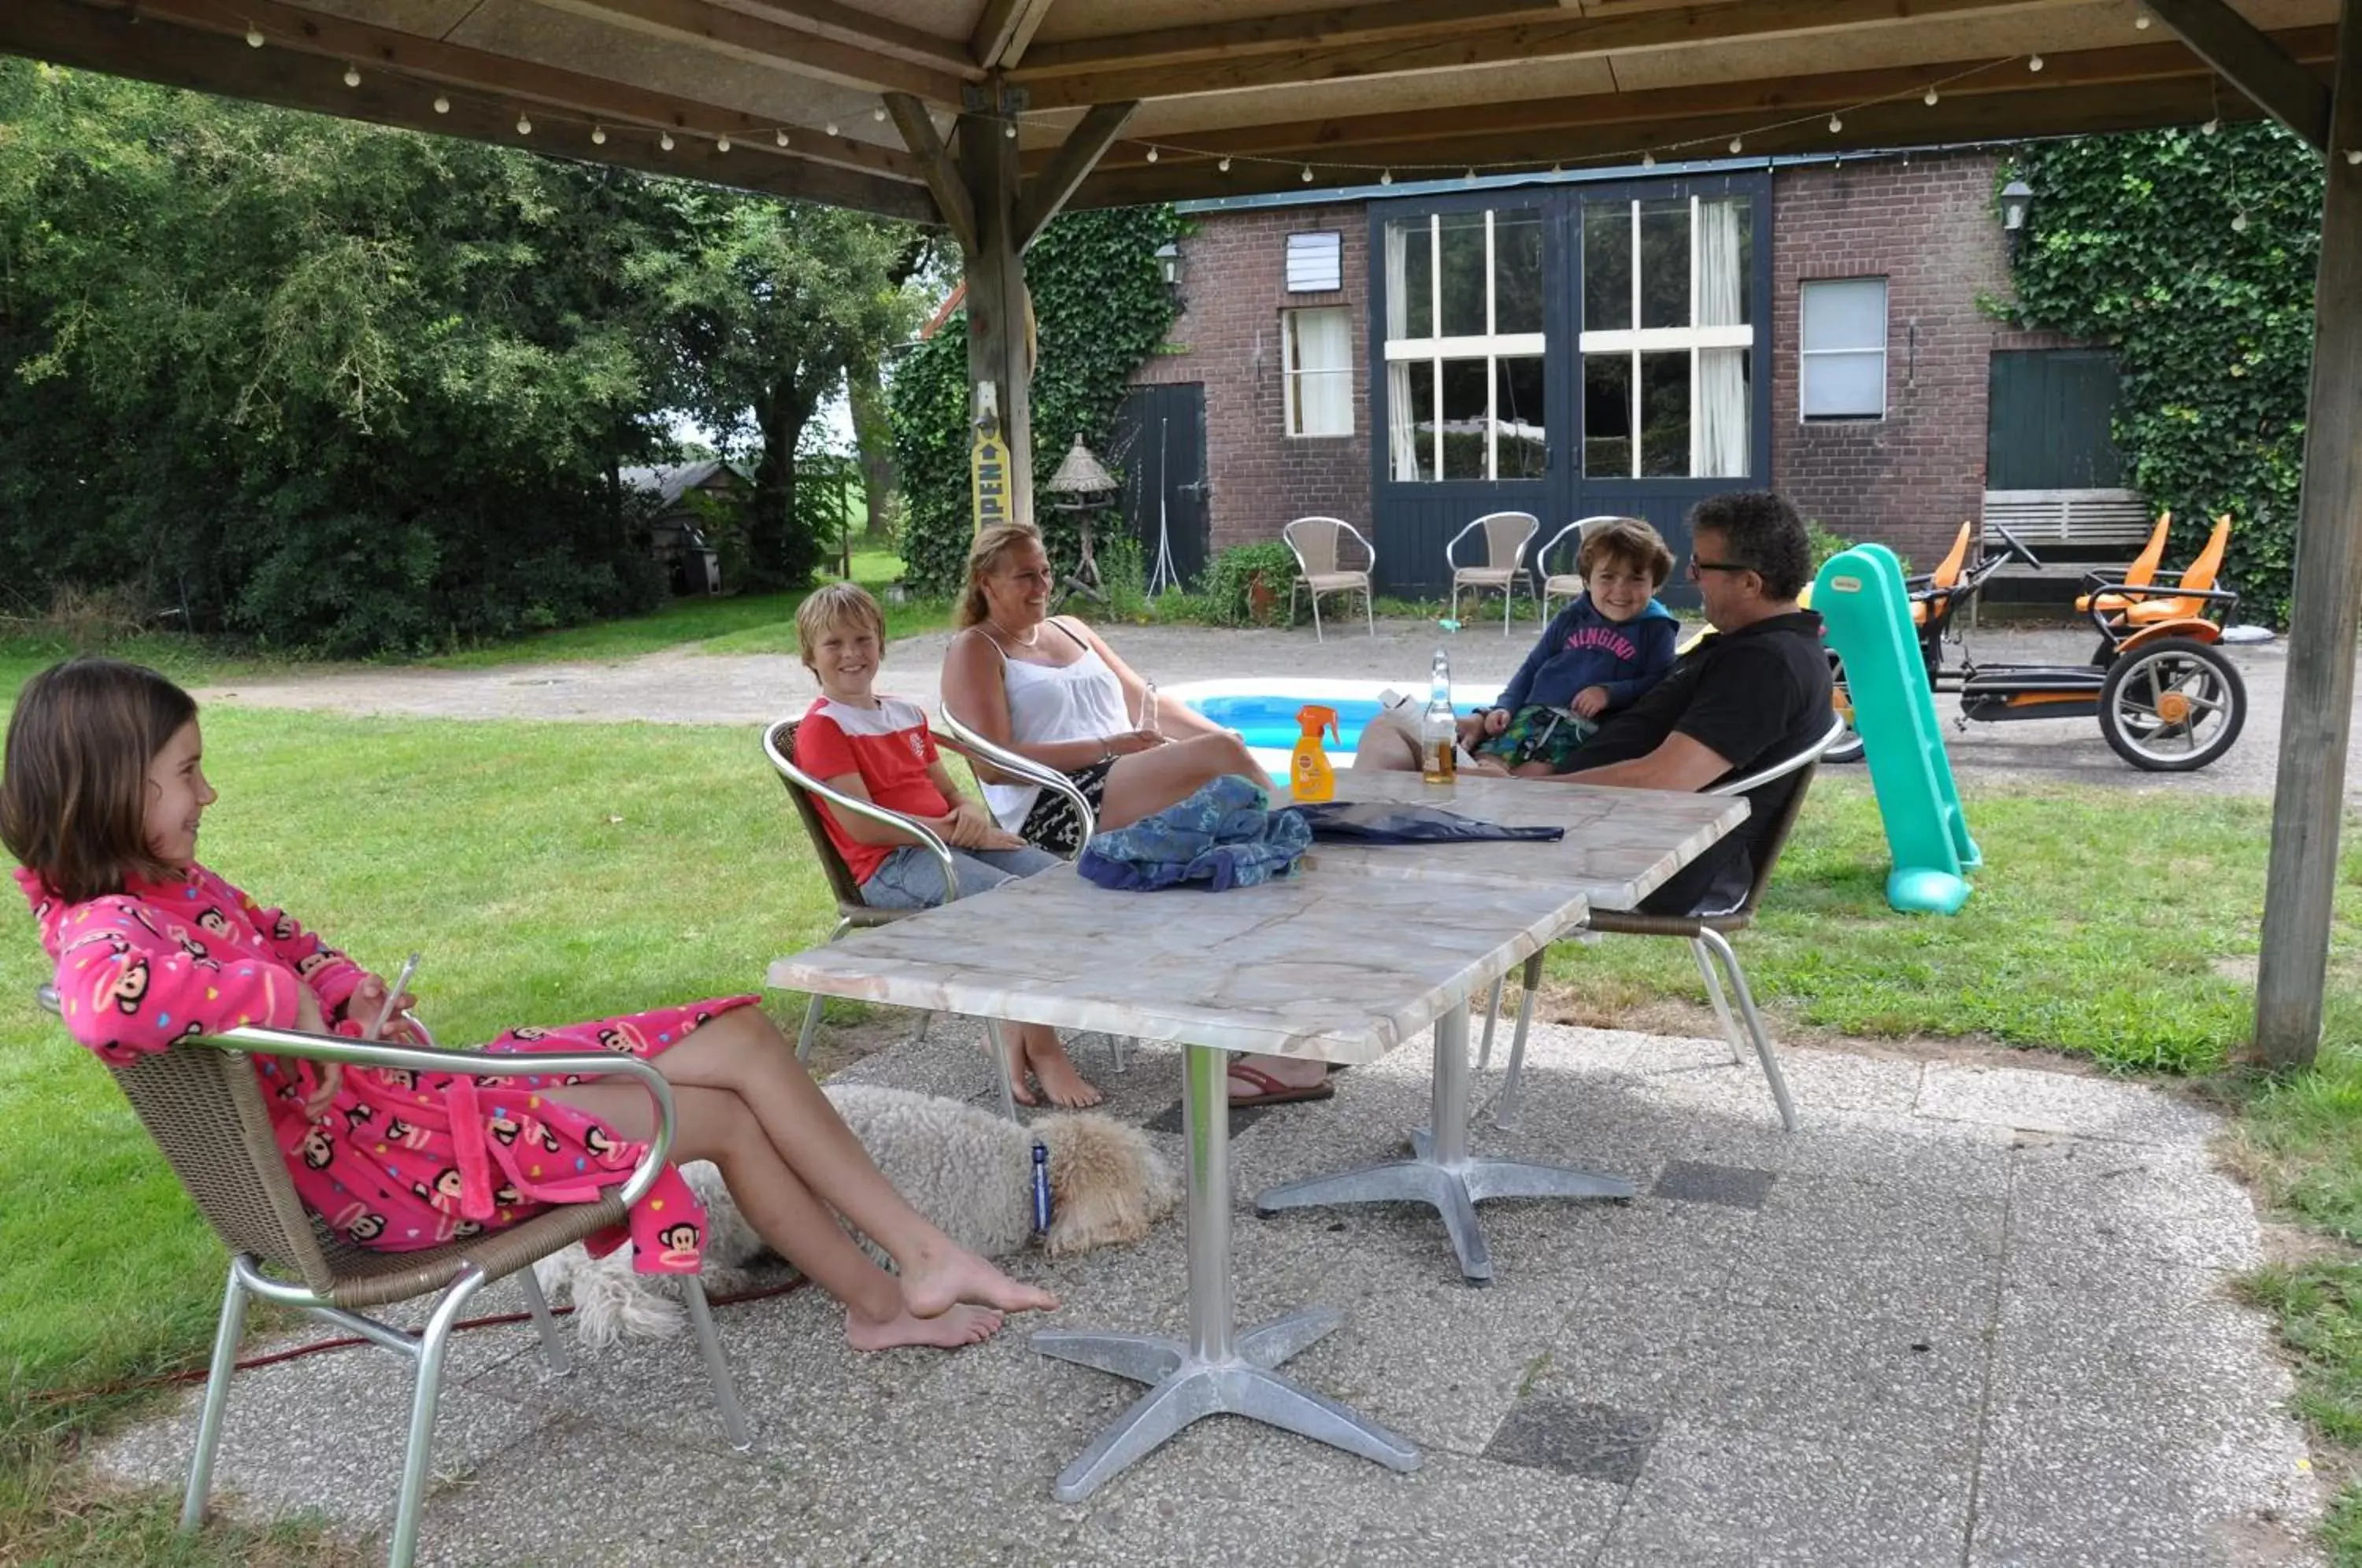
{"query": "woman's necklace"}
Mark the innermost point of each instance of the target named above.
(1021, 641)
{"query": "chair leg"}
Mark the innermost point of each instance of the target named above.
(709, 1345)
(1505, 1106)
(1455, 599)
(1755, 1029)
(926, 1021)
(1370, 609)
(1492, 1017)
(553, 1349)
(1318, 635)
(1000, 1067)
(1116, 1063)
(433, 1341)
(226, 1337)
(1713, 994)
(811, 1013)
(1508, 602)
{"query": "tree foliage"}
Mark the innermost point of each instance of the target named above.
(1101, 308)
(349, 389)
(2134, 244)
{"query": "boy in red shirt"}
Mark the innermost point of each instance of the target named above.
(879, 748)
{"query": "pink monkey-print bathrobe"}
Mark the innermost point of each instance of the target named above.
(400, 1160)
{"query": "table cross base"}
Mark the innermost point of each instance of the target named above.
(1188, 1388)
(1441, 1173)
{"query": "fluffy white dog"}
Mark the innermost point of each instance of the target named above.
(970, 1171)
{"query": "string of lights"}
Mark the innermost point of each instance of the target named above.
(784, 137)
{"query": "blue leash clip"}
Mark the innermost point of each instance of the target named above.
(1041, 1187)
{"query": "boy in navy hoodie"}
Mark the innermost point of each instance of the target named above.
(1598, 654)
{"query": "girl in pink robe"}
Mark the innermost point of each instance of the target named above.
(100, 802)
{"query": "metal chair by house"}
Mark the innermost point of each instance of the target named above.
(1505, 535)
(1318, 543)
(1708, 935)
(1568, 583)
(200, 1102)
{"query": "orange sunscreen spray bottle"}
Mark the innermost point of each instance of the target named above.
(1309, 777)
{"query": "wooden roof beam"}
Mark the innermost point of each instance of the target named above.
(1364, 136)
(1391, 19)
(753, 38)
(943, 176)
(2230, 44)
(1499, 40)
(503, 76)
(1005, 31)
(143, 46)
(866, 29)
(1067, 168)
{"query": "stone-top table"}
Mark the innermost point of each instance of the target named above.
(1326, 965)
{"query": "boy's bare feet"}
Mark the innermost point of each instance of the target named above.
(945, 1330)
(935, 1284)
(1055, 1071)
(1019, 1088)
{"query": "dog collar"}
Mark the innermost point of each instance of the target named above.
(1041, 1187)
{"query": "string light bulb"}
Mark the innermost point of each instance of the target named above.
(2239, 224)
(2211, 125)
(597, 135)
(720, 144)
(2353, 155)
(781, 137)
(524, 125)
(2140, 17)
(1224, 166)
(1932, 99)
(254, 38)
(2034, 63)
(1648, 160)
(1835, 125)
(1557, 168)
(664, 140)
(830, 127)
(352, 75)
(1152, 155)
(1307, 173)
(1737, 142)
(1388, 176)
(442, 104)
(1010, 130)
(1470, 175)
(878, 113)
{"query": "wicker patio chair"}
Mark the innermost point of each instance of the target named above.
(1506, 534)
(1567, 584)
(1317, 542)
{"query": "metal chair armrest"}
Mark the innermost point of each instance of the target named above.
(1781, 769)
(959, 738)
(351, 1053)
(928, 838)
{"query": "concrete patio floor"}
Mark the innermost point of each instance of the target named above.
(1971, 1313)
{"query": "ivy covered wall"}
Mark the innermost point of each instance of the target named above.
(2193, 257)
(1100, 306)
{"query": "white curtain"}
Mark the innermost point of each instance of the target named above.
(1324, 365)
(1402, 437)
(1721, 410)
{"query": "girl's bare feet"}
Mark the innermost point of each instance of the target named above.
(945, 1330)
(1055, 1071)
(936, 1281)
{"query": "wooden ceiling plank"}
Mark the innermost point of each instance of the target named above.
(1998, 118)
(148, 48)
(1029, 22)
(743, 37)
(1067, 168)
(910, 117)
(1267, 35)
(473, 70)
(1566, 37)
(1807, 95)
(866, 29)
(2232, 45)
(1004, 31)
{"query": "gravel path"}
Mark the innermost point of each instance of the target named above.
(682, 686)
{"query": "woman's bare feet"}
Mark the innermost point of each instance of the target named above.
(1055, 1071)
(935, 1282)
(1019, 1087)
(945, 1330)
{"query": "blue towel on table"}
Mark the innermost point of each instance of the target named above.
(1225, 835)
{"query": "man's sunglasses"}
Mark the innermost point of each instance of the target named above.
(1697, 566)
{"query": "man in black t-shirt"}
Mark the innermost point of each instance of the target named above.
(1756, 692)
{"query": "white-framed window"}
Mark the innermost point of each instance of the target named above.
(1316, 263)
(1841, 349)
(1667, 346)
(1317, 348)
(1465, 381)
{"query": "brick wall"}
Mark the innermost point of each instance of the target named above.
(1928, 227)
(1234, 287)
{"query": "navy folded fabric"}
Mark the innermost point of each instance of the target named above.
(1392, 822)
(1223, 837)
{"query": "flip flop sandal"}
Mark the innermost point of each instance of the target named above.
(1270, 1090)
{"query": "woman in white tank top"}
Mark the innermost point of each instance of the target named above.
(1053, 691)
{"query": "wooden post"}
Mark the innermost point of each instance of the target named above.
(2309, 798)
(997, 336)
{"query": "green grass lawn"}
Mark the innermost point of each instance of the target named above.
(556, 871)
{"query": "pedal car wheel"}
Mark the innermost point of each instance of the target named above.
(2172, 706)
